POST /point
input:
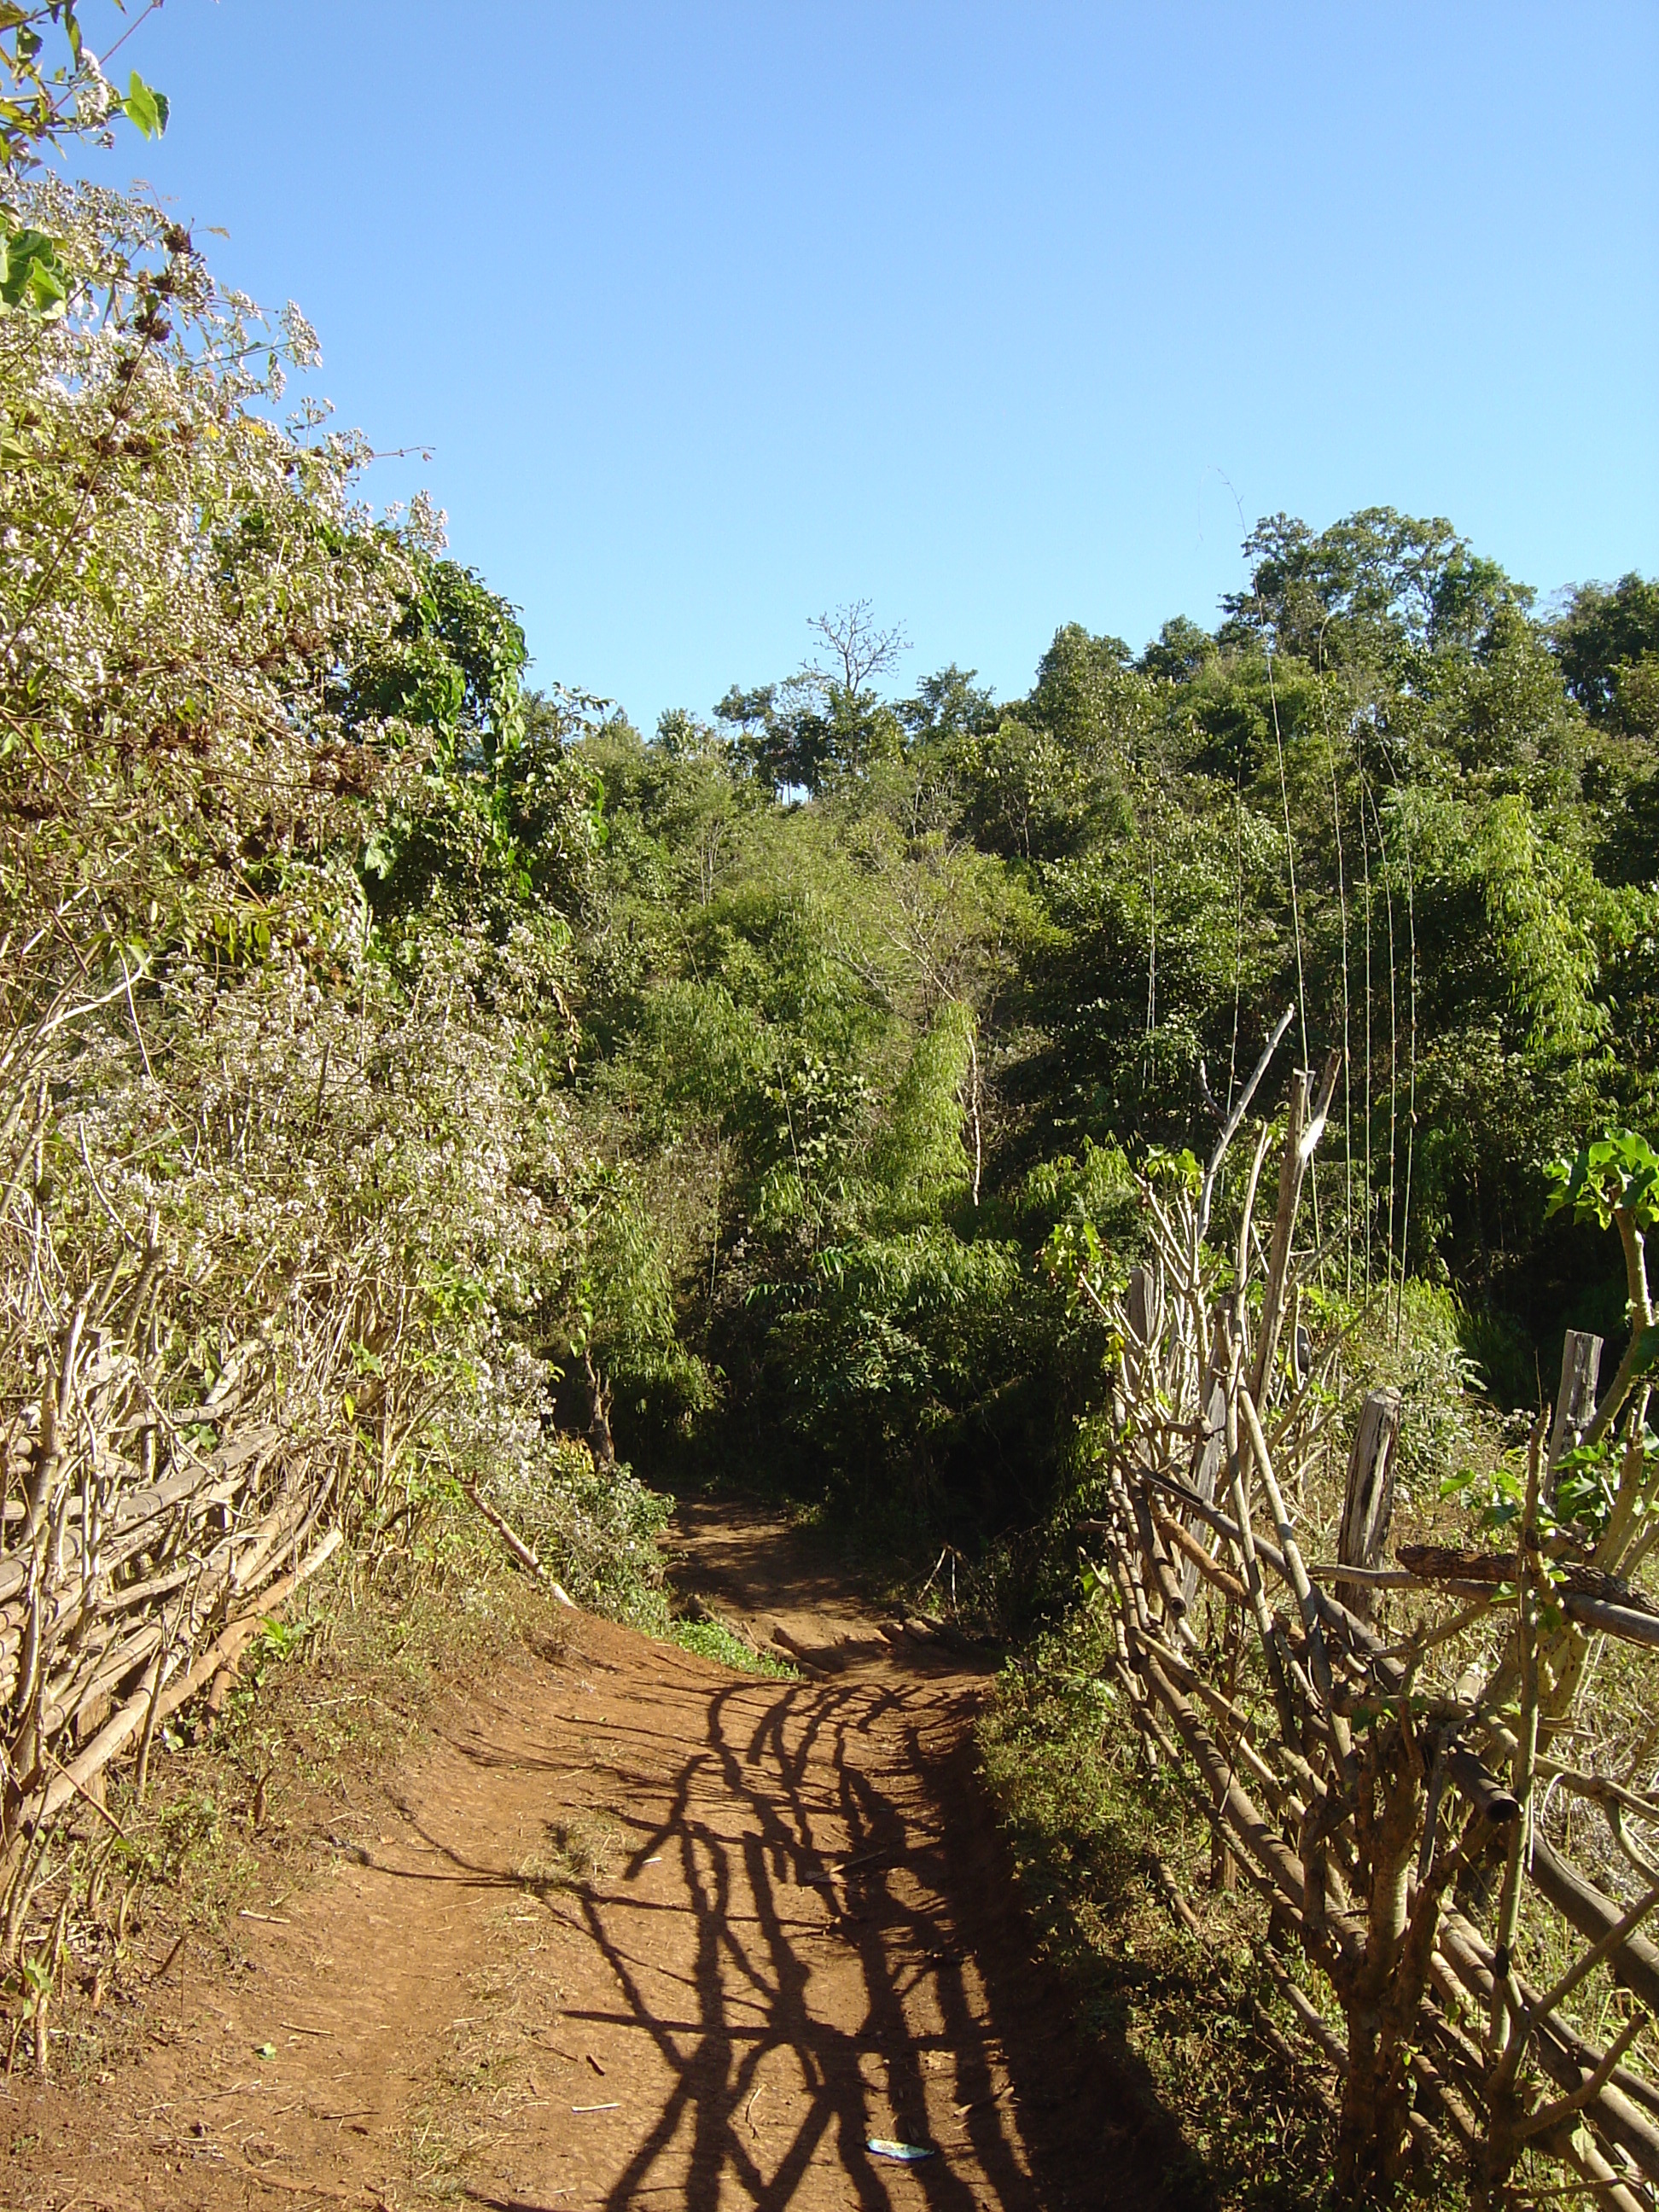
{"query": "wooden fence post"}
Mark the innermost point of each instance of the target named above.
(1575, 1402)
(1367, 1507)
(1145, 1318)
(1210, 1449)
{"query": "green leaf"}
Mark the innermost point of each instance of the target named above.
(45, 294)
(1618, 1171)
(32, 275)
(145, 106)
(1180, 1168)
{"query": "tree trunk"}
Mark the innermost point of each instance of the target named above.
(599, 1425)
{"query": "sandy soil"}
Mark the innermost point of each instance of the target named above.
(633, 1931)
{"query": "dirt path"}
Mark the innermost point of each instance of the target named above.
(636, 1932)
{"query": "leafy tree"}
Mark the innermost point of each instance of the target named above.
(1608, 635)
(1377, 588)
(1179, 651)
(826, 721)
(494, 814)
(948, 707)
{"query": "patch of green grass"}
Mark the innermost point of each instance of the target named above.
(712, 1639)
(1088, 1823)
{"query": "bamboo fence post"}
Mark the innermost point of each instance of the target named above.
(1210, 1447)
(1368, 1502)
(1575, 1402)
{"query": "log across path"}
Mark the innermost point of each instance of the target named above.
(634, 1930)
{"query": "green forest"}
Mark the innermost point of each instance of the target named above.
(744, 1097)
(898, 986)
(515, 1108)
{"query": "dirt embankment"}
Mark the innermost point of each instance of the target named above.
(633, 1931)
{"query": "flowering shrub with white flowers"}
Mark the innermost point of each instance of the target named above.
(291, 1238)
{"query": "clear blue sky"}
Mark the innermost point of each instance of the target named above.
(715, 315)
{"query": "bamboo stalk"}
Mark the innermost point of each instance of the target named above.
(1205, 1562)
(515, 1544)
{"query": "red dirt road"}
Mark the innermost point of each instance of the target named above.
(634, 1931)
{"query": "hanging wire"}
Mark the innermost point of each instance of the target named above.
(1151, 967)
(1394, 1042)
(1296, 929)
(1370, 1186)
(1342, 902)
(1410, 1106)
(1238, 931)
(1290, 853)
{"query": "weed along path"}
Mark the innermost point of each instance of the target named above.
(632, 1930)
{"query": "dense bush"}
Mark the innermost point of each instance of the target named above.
(284, 868)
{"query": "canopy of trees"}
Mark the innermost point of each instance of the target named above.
(877, 991)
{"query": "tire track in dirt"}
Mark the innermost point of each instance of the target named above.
(636, 1932)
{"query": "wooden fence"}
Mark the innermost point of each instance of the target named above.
(1380, 1784)
(145, 1533)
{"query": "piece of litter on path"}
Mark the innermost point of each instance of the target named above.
(596, 2108)
(906, 2154)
